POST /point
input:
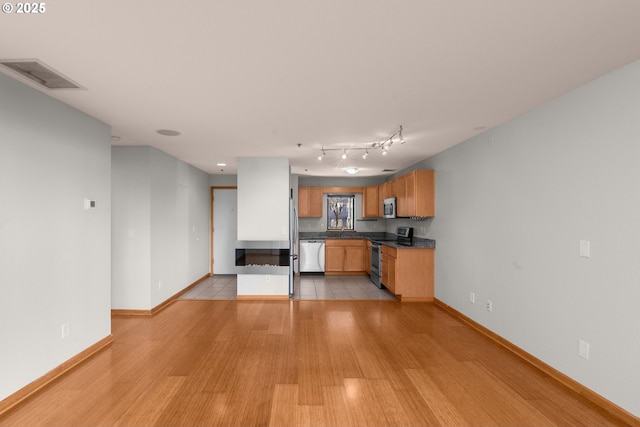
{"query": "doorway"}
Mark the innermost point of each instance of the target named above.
(224, 230)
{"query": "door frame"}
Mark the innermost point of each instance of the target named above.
(211, 230)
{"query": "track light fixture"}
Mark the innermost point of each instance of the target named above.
(384, 146)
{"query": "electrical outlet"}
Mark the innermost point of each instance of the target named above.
(472, 297)
(489, 305)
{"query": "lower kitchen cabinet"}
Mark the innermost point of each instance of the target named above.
(344, 256)
(408, 273)
(388, 268)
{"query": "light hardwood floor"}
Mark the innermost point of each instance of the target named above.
(297, 363)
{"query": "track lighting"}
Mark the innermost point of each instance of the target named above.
(383, 145)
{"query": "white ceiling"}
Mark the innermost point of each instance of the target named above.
(257, 78)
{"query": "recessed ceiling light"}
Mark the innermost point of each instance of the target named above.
(168, 132)
(221, 164)
(352, 171)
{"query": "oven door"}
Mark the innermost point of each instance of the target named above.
(375, 264)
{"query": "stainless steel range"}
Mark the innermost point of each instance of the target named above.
(404, 236)
(376, 262)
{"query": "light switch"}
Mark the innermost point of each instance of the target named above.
(585, 248)
(583, 349)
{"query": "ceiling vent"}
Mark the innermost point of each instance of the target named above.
(389, 170)
(39, 73)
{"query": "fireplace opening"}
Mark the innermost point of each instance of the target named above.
(262, 257)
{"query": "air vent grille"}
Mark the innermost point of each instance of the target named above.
(389, 170)
(39, 73)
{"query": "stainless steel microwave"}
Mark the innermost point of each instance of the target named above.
(389, 207)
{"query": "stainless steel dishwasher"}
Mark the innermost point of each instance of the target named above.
(312, 256)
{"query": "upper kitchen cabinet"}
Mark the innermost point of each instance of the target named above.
(416, 194)
(387, 189)
(371, 202)
(402, 208)
(310, 202)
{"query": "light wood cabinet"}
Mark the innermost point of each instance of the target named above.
(388, 268)
(371, 203)
(408, 273)
(401, 198)
(416, 194)
(388, 189)
(344, 256)
(310, 202)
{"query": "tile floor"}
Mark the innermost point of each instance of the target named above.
(307, 287)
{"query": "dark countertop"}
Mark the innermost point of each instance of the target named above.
(388, 239)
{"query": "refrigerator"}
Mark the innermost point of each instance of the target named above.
(293, 242)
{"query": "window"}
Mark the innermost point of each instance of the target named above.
(341, 212)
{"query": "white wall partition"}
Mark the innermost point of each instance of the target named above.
(263, 215)
(513, 205)
(263, 198)
(54, 254)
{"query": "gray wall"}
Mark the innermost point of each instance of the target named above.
(223, 180)
(54, 254)
(319, 181)
(512, 206)
(160, 227)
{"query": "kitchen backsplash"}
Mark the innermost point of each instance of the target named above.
(420, 228)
